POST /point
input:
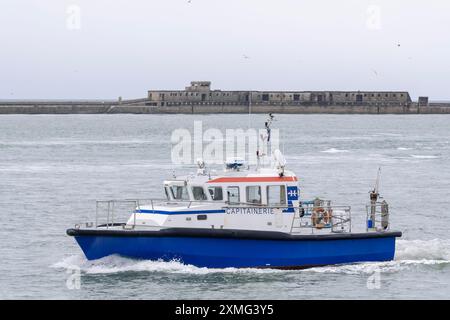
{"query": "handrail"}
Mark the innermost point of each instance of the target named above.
(377, 216)
(342, 219)
(339, 221)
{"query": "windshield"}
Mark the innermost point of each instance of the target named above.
(179, 192)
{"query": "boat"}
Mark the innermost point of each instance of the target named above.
(240, 217)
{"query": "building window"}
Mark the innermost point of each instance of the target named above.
(265, 97)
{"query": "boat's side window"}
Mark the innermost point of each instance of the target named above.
(166, 191)
(276, 195)
(254, 194)
(199, 193)
(179, 192)
(233, 194)
(216, 193)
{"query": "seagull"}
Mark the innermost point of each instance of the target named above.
(245, 56)
(375, 72)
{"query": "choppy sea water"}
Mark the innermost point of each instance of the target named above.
(53, 168)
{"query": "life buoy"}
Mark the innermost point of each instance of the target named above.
(320, 217)
(317, 217)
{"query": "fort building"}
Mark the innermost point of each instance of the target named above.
(200, 93)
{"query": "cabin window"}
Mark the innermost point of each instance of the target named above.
(276, 195)
(198, 193)
(166, 191)
(179, 193)
(216, 193)
(254, 194)
(233, 194)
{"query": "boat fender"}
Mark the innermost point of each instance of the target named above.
(301, 212)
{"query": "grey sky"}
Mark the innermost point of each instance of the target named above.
(127, 47)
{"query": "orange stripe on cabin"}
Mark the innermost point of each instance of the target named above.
(252, 179)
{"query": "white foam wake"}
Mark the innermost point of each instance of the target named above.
(436, 249)
(117, 264)
(409, 253)
(334, 150)
(417, 156)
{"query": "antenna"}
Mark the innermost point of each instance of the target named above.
(374, 193)
(249, 108)
(249, 122)
(377, 181)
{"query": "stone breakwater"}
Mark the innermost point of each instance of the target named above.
(86, 107)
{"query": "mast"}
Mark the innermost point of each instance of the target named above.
(374, 194)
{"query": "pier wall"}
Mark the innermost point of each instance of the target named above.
(112, 108)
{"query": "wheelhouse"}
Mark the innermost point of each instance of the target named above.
(246, 190)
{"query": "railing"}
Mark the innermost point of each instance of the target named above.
(377, 218)
(114, 210)
(110, 213)
(316, 216)
(116, 213)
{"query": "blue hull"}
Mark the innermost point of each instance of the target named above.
(220, 252)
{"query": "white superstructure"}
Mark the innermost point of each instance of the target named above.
(262, 199)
